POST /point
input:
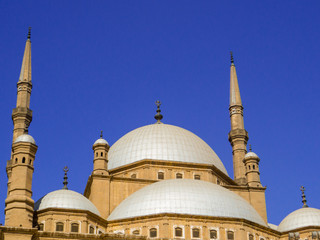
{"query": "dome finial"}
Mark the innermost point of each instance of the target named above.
(304, 200)
(250, 148)
(101, 134)
(29, 33)
(65, 179)
(231, 55)
(158, 116)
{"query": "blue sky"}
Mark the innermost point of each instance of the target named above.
(102, 64)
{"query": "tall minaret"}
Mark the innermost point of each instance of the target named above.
(238, 136)
(22, 114)
(19, 204)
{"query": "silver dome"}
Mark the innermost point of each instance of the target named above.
(302, 217)
(185, 196)
(162, 142)
(25, 138)
(250, 155)
(65, 199)
(101, 141)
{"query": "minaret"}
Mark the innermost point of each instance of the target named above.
(238, 136)
(251, 162)
(100, 160)
(22, 114)
(19, 204)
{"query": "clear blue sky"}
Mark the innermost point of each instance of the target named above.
(102, 64)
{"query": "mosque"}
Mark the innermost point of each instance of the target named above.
(156, 182)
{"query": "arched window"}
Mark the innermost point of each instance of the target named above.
(59, 227)
(136, 232)
(41, 227)
(23, 160)
(16, 160)
(253, 166)
(100, 232)
(230, 235)
(197, 177)
(134, 175)
(74, 227)
(96, 154)
(250, 237)
(160, 175)
(153, 232)
(249, 167)
(218, 182)
(91, 230)
(179, 175)
(178, 232)
(195, 233)
(30, 161)
(101, 154)
(213, 234)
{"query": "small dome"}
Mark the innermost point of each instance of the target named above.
(273, 226)
(185, 196)
(25, 138)
(162, 142)
(250, 155)
(302, 217)
(101, 141)
(66, 199)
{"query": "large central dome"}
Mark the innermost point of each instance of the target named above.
(162, 142)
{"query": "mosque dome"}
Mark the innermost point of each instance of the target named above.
(303, 217)
(101, 141)
(186, 196)
(250, 155)
(162, 142)
(25, 138)
(65, 198)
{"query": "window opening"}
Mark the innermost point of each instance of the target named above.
(160, 175)
(197, 177)
(178, 232)
(195, 233)
(213, 234)
(41, 227)
(91, 230)
(59, 227)
(153, 232)
(230, 235)
(134, 175)
(136, 232)
(178, 175)
(74, 227)
(23, 160)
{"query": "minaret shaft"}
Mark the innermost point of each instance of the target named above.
(238, 136)
(22, 114)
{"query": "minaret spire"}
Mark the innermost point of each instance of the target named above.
(238, 136)
(22, 114)
(304, 200)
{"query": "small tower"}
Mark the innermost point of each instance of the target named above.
(100, 160)
(238, 136)
(22, 114)
(19, 204)
(251, 162)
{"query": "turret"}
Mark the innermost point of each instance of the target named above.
(238, 136)
(251, 162)
(19, 204)
(100, 160)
